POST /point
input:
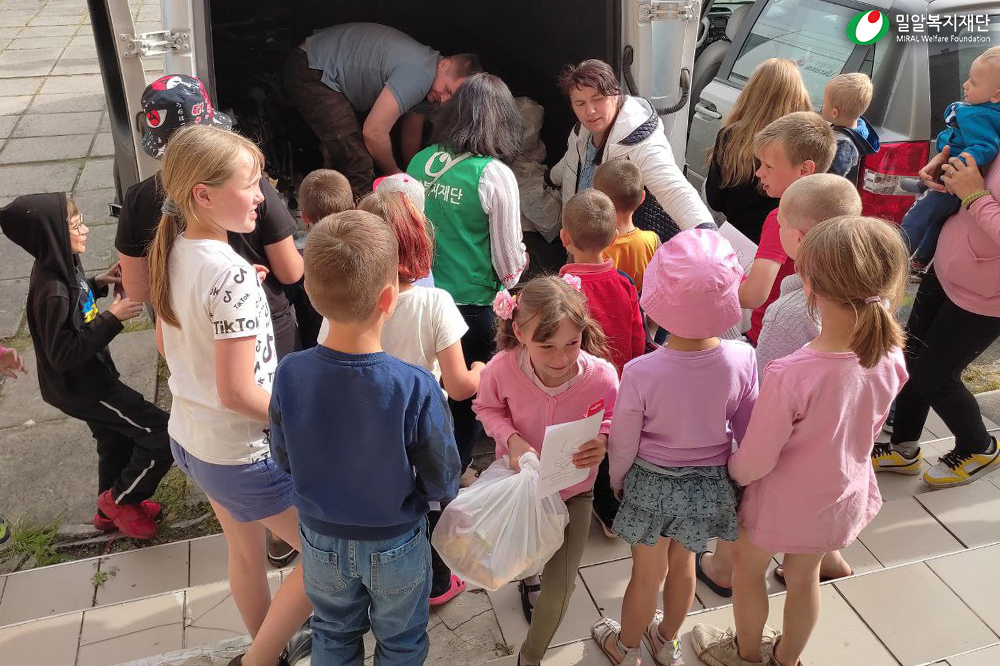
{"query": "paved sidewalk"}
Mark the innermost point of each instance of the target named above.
(55, 137)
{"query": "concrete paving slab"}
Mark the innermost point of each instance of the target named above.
(9, 33)
(80, 51)
(67, 102)
(7, 125)
(103, 145)
(77, 66)
(14, 105)
(34, 68)
(46, 148)
(21, 401)
(94, 205)
(97, 174)
(16, 262)
(34, 178)
(101, 252)
(13, 294)
(47, 470)
(72, 84)
(60, 41)
(44, 31)
(57, 20)
(25, 86)
(15, 19)
(58, 124)
(12, 57)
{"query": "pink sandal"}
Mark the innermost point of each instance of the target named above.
(456, 588)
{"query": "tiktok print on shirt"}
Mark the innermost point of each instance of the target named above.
(238, 308)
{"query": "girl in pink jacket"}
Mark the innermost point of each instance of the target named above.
(810, 486)
(550, 368)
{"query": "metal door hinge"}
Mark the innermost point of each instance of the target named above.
(159, 42)
(670, 10)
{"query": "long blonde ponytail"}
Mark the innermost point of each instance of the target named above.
(198, 154)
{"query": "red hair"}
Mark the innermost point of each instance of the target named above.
(416, 243)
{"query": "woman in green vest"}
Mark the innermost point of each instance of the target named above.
(472, 200)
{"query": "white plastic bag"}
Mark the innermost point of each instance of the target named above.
(498, 530)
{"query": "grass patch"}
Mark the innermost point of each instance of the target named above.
(101, 577)
(982, 378)
(175, 495)
(140, 323)
(37, 542)
(502, 649)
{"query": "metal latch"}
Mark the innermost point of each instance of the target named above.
(670, 10)
(159, 42)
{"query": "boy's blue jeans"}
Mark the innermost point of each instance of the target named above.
(922, 223)
(360, 585)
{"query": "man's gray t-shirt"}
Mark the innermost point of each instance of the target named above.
(359, 59)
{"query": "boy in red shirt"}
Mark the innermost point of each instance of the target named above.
(589, 227)
(791, 147)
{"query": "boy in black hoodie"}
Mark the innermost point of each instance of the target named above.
(75, 370)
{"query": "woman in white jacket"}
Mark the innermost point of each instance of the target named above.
(613, 125)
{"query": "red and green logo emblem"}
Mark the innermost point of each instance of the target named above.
(867, 27)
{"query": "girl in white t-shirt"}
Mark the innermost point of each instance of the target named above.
(214, 329)
(425, 329)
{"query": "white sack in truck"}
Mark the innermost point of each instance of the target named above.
(541, 206)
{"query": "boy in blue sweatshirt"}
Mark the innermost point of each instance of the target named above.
(368, 441)
(973, 127)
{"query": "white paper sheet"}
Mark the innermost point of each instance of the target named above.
(745, 250)
(561, 441)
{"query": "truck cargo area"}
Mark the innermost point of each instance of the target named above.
(525, 42)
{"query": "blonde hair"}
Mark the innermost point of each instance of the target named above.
(817, 197)
(775, 89)
(324, 192)
(547, 300)
(850, 260)
(72, 210)
(195, 155)
(803, 135)
(621, 180)
(589, 219)
(992, 56)
(350, 257)
(850, 94)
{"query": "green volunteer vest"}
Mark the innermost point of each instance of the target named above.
(463, 265)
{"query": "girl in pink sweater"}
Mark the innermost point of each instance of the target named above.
(810, 486)
(550, 368)
(679, 409)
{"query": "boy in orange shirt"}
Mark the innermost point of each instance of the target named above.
(632, 248)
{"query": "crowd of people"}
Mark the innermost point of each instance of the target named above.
(333, 396)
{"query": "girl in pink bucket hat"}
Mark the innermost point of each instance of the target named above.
(679, 409)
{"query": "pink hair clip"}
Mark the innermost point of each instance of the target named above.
(504, 305)
(573, 281)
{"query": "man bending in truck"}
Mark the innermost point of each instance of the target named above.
(366, 69)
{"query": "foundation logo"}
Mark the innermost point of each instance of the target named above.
(867, 27)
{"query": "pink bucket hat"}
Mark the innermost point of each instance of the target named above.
(691, 286)
(400, 182)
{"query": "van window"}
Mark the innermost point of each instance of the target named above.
(811, 32)
(950, 63)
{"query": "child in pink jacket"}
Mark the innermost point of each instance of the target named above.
(805, 460)
(550, 368)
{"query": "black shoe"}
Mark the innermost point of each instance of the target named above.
(300, 644)
(526, 605)
(279, 553)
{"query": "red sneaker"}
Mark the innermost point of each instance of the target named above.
(130, 519)
(107, 525)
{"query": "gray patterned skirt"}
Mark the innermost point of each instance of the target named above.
(688, 504)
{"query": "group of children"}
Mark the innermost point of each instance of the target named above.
(344, 449)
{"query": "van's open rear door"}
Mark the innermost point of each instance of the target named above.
(124, 81)
(659, 38)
